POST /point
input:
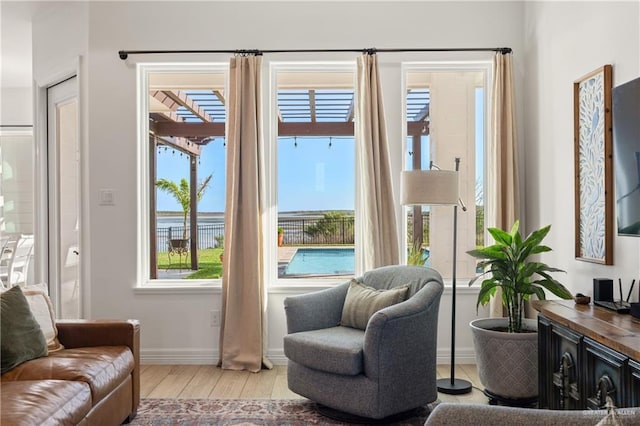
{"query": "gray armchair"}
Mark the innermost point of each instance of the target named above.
(386, 369)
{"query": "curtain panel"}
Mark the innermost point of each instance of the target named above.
(243, 328)
(503, 179)
(379, 235)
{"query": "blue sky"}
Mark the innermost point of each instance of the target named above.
(311, 176)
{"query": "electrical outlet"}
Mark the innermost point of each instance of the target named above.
(215, 318)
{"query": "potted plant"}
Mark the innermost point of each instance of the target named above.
(507, 348)
(280, 236)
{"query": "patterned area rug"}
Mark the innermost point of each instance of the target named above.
(203, 412)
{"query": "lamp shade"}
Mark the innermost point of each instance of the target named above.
(429, 187)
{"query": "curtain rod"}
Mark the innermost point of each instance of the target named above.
(124, 54)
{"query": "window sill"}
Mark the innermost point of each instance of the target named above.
(179, 287)
(207, 287)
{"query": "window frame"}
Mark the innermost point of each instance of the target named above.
(143, 72)
(270, 217)
(483, 66)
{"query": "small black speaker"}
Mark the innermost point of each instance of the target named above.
(603, 289)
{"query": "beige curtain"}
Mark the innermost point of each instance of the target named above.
(379, 235)
(503, 178)
(243, 327)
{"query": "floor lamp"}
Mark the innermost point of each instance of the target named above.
(439, 187)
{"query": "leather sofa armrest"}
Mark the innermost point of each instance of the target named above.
(83, 333)
(87, 333)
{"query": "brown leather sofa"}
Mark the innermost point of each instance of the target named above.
(95, 380)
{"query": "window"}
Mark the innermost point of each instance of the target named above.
(315, 172)
(445, 118)
(183, 171)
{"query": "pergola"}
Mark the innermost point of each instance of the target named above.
(187, 111)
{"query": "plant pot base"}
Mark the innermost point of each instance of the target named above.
(511, 402)
(458, 387)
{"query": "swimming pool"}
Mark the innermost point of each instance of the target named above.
(322, 261)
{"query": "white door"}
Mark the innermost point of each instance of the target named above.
(63, 175)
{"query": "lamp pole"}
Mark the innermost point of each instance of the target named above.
(453, 386)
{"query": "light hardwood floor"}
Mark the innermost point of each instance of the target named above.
(208, 381)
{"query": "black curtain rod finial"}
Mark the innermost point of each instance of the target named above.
(504, 50)
(123, 55)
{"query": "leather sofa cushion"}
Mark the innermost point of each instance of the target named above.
(103, 368)
(44, 402)
(337, 350)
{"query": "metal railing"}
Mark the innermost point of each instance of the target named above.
(299, 231)
(209, 236)
(319, 231)
(303, 231)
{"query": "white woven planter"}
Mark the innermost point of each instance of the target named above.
(507, 362)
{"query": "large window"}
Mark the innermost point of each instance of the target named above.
(315, 173)
(445, 118)
(185, 171)
(311, 217)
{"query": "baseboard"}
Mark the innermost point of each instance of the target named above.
(180, 356)
(463, 356)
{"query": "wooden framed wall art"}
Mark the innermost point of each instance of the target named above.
(593, 167)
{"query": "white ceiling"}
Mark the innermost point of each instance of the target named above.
(15, 43)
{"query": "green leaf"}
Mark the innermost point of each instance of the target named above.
(554, 286)
(501, 237)
(514, 228)
(540, 249)
(539, 292)
(492, 252)
(487, 290)
(535, 238)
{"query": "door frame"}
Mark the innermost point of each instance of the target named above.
(46, 246)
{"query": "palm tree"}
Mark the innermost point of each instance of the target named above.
(182, 194)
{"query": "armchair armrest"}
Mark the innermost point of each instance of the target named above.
(410, 324)
(87, 333)
(312, 311)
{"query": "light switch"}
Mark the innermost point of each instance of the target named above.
(107, 197)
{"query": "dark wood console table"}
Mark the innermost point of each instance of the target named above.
(585, 353)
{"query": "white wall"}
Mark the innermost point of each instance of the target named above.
(565, 41)
(16, 100)
(16, 107)
(175, 325)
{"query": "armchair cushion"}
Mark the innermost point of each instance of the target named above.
(363, 301)
(336, 350)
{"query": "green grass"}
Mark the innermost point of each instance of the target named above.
(209, 265)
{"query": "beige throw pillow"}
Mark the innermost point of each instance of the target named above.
(363, 301)
(42, 310)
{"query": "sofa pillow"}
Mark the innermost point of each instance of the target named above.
(21, 338)
(363, 301)
(42, 310)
